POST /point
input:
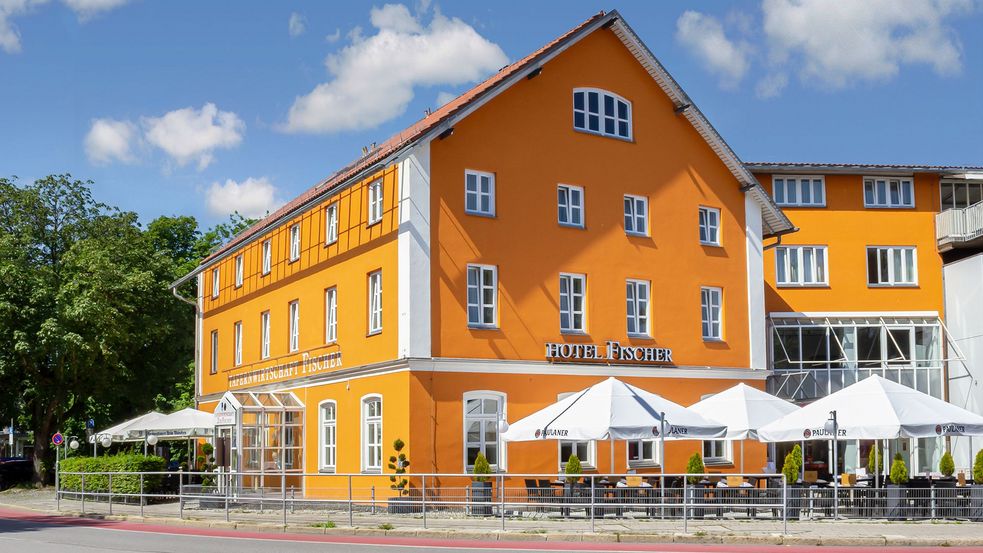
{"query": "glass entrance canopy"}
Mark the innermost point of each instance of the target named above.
(267, 434)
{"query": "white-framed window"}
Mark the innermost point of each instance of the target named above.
(294, 324)
(216, 282)
(482, 412)
(482, 296)
(717, 452)
(375, 302)
(644, 453)
(331, 224)
(372, 433)
(891, 192)
(331, 315)
(328, 436)
(267, 256)
(637, 303)
(799, 191)
(892, 266)
(636, 215)
(573, 295)
(586, 450)
(801, 266)
(709, 226)
(479, 193)
(239, 270)
(237, 334)
(214, 357)
(264, 335)
(295, 242)
(375, 202)
(960, 194)
(711, 313)
(601, 112)
(570, 205)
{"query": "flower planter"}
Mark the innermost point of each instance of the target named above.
(976, 502)
(480, 499)
(896, 500)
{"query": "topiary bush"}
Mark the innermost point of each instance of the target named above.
(481, 467)
(978, 468)
(792, 465)
(573, 469)
(122, 483)
(899, 471)
(398, 464)
(695, 466)
(874, 460)
(946, 465)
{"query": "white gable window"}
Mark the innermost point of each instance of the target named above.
(801, 265)
(329, 435)
(215, 283)
(331, 315)
(294, 325)
(479, 193)
(637, 294)
(375, 202)
(572, 302)
(796, 191)
(601, 112)
(710, 304)
(709, 226)
(239, 270)
(331, 224)
(892, 266)
(295, 242)
(636, 215)
(570, 205)
(264, 335)
(267, 256)
(237, 359)
(482, 292)
(375, 302)
(888, 192)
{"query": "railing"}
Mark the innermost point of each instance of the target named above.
(959, 225)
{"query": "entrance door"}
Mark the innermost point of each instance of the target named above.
(223, 448)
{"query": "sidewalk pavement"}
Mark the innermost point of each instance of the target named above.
(762, 532)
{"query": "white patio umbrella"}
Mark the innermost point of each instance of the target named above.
(613, 410)
(186, 424)
(118, 433)
(744, 410)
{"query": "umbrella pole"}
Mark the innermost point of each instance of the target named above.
(742, 456)
(612, 455)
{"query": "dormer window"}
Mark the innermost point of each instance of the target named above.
(601, 112)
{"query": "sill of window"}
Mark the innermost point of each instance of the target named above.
(331, 243)
(373, 223)
(714, 340)
(479, 214)
(724, 463)
(630, 139)
(215, 297)
(639, 336)
(636, 234)
(710, 245)
(331, 343)
(801, 206)
(911, 207)
(483, 327)
(574, 333)
(892, 285)
(267, 273)
(644, 465)
(794, 286)
(373, 471)
(373, 333)
(294, 260)
(237, 286)
(572, 226)
(326, 471)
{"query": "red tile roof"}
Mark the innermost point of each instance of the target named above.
(766, 165)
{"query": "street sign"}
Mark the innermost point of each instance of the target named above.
(57, 439)
(91, 423)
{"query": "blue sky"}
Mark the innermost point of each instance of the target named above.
(196, 107)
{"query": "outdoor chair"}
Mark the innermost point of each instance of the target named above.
(532, 493)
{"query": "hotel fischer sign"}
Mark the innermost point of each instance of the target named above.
(309, 363)
(611, 351)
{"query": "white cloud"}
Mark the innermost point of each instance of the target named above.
(704, 36)
(840, 43)
(771, 85)
(9, 35)
(297, 24)
(443, 97)
(253, 197)
(373, 78)
(333, 37)
(87, 9)
(110, 140)
(188, 134)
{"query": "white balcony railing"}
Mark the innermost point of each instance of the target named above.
(955, 226)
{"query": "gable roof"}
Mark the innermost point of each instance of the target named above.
(444, 117)
(856, 168)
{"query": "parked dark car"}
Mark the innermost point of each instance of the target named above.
(15, 470)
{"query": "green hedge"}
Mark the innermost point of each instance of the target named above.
(128, 484)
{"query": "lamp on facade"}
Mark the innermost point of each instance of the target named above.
(105, 442)
(503, 425)
(74, 444)
(151, 441)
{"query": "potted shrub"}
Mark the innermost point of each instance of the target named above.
(398, 463)
(976, 491)
(572, 471)
(790, 468)
(896, 489)
(946, 465)
(695, 466)
(875, 463)
(481, 487)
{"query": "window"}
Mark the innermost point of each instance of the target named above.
(793, 191)
(214, 367)
(570, 205)
(600, 112)
(637, 296)
(961, 194)
(294, 323)
(644, 453)
(479, 193)
(239, 270)
(636, 215)
(238, 343)
(710, 299)
(888, 192)
(372, 434)
(717, 452)
(482, 413)
(375, 302)
(329, 435)
(482, 292)
(331, 315)
(709, 226)
(801, 265)
(331, 224)
(375, 202)
(572, 292)
(295, 242)
(267, 256)
(584, 450)
(264, 335)
(215, 283)
(892, 266)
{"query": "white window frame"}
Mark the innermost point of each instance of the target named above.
(602, 114)
(480, 288)
(375, 204)
(502, 399)
(788, 192)
(216, 282)
(706, 313)
(590, 463)
(331, 315)
(876, 202)
(267, 256)
(632, 304)
(806, 259)
(322, 445)
(727, 457)
(892, 280)
(478, 193)
(239, 265)
(955, 185)
(632, 205)
(293, 325)
(264, 335)
(294, 242)
(237, 336)
(565, 208)
(570, 278)
(654, 461)
(375, 302)
(366, 445)
(705, 227)
(331, 224)
(213, 369)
